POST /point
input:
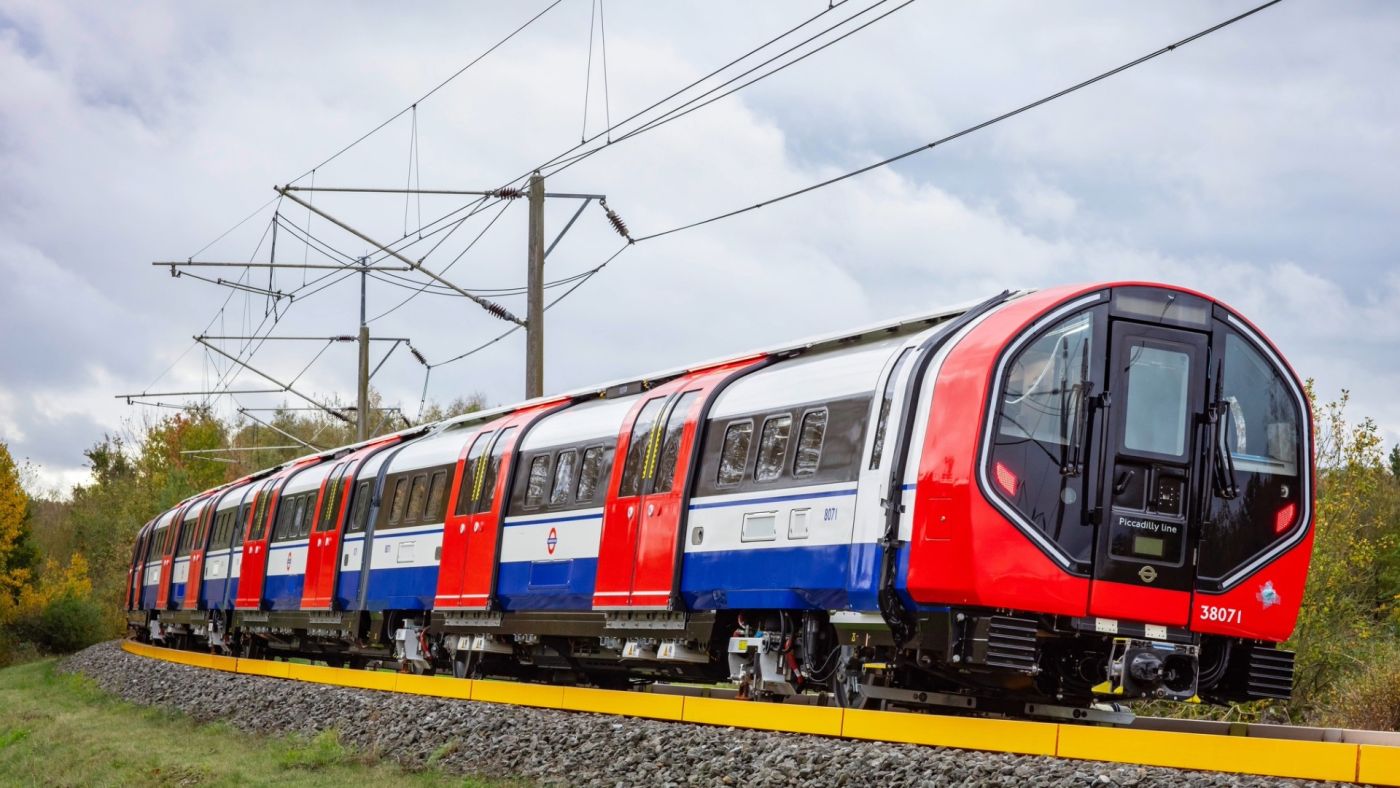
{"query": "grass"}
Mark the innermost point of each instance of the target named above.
(58, 729)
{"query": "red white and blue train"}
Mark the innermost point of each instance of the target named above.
(1043, 498)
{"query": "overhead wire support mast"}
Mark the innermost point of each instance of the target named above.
(492, 308)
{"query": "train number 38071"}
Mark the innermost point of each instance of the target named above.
(1228, 615)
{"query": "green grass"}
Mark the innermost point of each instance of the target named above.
(62, 730)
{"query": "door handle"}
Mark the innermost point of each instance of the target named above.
(461, 528)
(1124, 479)
(631, 510)
(651, 509)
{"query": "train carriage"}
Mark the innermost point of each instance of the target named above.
(1044, 498)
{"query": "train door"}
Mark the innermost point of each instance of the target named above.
(198, 546)
(1144, 564)
(253, 567)
(137, 568)
(473, 541)
(461, 508)
(167, 558)
(639, 552)
(323, 548)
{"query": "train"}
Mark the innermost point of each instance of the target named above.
(1046, 502)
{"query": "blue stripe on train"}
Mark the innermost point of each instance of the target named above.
(400, 588)
(548, 585)
(283, 592)
(824, 577)
(211, 593)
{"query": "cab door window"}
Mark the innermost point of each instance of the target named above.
(1041, 409)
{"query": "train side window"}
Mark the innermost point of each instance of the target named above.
(809, 444)
(563, 477)
(671, 442)
(772, 448)
(331, 505)
(437, 497)
(734, 454)
(640, 448)
(359, 513)
(471, 470)
(418, 498)
(259, 524)
(283, 522)
(595, 459)
(537, 482)
(400, 498)
(303, 516)
(886, 402)
(486, 483)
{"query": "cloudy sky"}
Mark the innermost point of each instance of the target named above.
(1259, 164)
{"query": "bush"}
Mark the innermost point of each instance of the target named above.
(65, 624)
(1368, 697)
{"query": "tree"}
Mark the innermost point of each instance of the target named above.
(18, 557)
(1395, 462)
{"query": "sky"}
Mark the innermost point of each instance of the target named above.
(1260, 164)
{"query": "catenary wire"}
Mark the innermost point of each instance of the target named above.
(969, 130)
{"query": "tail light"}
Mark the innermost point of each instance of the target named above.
(1284, 518)
(1007, 479)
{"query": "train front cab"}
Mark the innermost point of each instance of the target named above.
(1142, 475)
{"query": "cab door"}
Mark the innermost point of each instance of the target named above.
(323, 548)
(461, 508)
(1144, 566)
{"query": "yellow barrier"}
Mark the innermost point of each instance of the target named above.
(1273, 757)
(631, 704)
(1314, 760)
(969, 733)
(1378, 765)
(436, 686)
(822, 720)
(546, 696)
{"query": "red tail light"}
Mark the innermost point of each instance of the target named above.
(1284, 518)
(1007, 479)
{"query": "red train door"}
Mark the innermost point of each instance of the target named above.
(1144, 562)
(201, 541)
(137, 568)
(461, 509)
(167, 557)
(323, 551)
(323, 548)
(263, 513)
(643, 523)
(473, 544)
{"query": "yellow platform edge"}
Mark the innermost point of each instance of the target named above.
(1312, 760)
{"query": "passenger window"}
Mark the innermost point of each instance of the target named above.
(301, 528)
(641, 448)
(734, 454)
(809, 444)
(538, 481)
(418, 498)
(886, 402)
(437, 497)
(486, 483)
(595, 459)
(671, 442)
(471, 471)
(772, 448)
(563, 477)
(283, 523)
(359, 510)
(398, 501)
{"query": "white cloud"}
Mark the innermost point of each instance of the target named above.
(1261, 173)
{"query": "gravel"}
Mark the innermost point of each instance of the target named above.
(569, 748)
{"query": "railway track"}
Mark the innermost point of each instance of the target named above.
(1341, 755)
